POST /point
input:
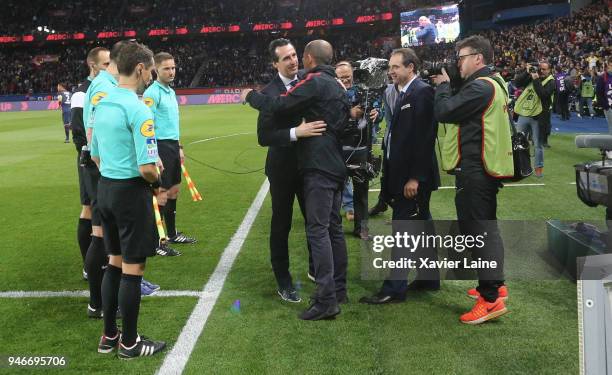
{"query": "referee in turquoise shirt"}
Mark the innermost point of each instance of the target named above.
(161, 99)
(124, 146)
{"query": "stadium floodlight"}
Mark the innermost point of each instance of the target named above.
(39, 28)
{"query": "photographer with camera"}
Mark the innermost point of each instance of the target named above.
(355, 150)
(533, 107)
(410, 168)
(476, 111)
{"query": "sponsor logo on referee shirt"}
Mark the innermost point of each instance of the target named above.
(152, 147)
(149, 102)
(147, 129)
(97, 97)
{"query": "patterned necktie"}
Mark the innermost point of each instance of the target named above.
(293, 83)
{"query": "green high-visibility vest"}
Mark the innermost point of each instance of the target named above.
(496, 136)
(587, 91)
(529, 103)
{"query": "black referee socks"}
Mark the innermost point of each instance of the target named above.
(170, 217)
(110, 292)
(84, 236)
(129, 303)
(95, 260)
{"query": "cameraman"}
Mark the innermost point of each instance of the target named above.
(533, 107)
(478, 109)
(355, 149)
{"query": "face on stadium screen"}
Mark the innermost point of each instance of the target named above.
(429, 25)
(288, 62)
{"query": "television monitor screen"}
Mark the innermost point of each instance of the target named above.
(430, 25)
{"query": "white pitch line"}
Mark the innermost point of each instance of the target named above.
(219, 137)
(175, 361)
(85, 293)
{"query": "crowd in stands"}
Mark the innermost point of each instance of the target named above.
(581, 40)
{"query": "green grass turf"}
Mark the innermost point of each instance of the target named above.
(57, 327)
(40, 208)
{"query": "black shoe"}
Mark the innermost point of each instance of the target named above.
(107, 344)
(166, 251)
(378, 209)
(182, 239)
(142, 348)
(546, 145)
(381, 298)
(319, 311)
(289, 295)
(424, 286)
(94, 313)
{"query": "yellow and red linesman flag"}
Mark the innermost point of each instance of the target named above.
(195, 194)
(158, 221)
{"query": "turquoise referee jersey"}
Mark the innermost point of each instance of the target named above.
(124, 136)
(162, 102)
(98, 89)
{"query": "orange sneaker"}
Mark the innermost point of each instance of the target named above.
(483, 311)
(502, 291)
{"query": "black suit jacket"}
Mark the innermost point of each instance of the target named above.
(412, 145)
(273, 131)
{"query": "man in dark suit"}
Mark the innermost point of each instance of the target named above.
(319, 96)
(279, 133)
(410, 171)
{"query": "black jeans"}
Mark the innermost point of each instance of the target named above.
(360, 190)
(476, 204)
(563, 104)
(283, 192)
(411, 216)
(323, 198)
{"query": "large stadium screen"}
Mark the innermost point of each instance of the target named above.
(430, 25)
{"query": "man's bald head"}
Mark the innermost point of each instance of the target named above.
(320, 51)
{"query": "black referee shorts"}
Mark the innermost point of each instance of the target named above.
(85, 199)
(170, 155)
(126, 209)
(91, 177)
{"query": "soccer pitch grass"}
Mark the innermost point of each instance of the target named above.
(40, 207)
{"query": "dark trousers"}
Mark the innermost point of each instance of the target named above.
(283, 192)
(323, 198)
(563, 103)
(411, 216)
(476, 204)
(360, 190)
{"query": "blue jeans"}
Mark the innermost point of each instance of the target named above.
(347, 196)
(525, 123)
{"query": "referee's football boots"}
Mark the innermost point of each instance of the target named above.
(181, 238)
(143, 347)
(166, 251)
(108, 344)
